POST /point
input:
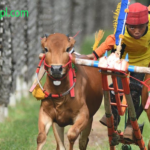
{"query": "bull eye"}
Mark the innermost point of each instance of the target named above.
(67, 50)
(46, 50)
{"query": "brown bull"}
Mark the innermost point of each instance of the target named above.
(77, 110)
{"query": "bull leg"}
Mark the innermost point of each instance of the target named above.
(44, 125)
(59, 136)
(83, 141)
(75, 130)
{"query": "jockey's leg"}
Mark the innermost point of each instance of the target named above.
(114, 108)
(136, 101)
(136, 90)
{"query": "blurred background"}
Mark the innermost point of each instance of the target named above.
(20, 37)
(20, 43)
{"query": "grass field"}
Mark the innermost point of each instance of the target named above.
(19, 131)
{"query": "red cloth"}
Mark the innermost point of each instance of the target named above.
(138, 14)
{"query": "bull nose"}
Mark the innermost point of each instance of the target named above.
(56, 69)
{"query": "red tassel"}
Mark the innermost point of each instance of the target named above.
(72, 93)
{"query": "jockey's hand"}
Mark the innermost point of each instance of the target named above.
(91, 56)
(83, 57)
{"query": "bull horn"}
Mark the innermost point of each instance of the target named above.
(72, 41)
(41, 55)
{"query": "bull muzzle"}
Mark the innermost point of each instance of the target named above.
(56, 71)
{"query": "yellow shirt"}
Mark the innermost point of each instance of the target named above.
(138, 49)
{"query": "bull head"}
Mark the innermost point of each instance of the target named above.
(57, 48)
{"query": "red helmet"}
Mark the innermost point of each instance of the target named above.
(138, 14)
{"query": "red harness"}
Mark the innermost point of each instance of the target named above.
(72, 78)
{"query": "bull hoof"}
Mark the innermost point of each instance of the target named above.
(83, 144)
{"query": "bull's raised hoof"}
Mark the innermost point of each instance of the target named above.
(75, 108)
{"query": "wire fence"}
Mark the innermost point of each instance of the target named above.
(20, 37)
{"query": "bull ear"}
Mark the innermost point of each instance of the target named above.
(43, 41)
(72, 41)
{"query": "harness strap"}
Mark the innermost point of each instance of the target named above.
(72, 79)
(40, 63)
(50, 95)
(72, 93)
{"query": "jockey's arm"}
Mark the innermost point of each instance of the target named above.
(108, 44)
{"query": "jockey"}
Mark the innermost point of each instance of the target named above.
(136, 43)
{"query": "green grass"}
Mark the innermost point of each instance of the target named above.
(19, 131)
